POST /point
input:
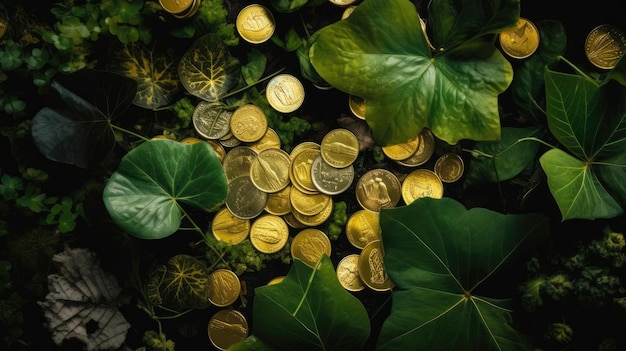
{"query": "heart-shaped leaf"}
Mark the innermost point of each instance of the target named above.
(439, 255)
(380, 54)
(589, 120)
(78, 130)
(145, 194)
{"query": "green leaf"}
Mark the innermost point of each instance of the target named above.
(253, 70)
(144, 196)
(251, 343)
(380, 54)
(156, 73)
(589, 121)
(310, 310)
(78, 131)
(287, 6)
(440, 255)
(207, 69)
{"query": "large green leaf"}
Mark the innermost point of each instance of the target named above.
(145, 194)
(589, 120)
(380, 54)
(439, 255)
(77, 130)
(310, 310)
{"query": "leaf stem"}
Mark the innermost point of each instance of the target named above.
(251, 85)
(577, 69)
(124, 130)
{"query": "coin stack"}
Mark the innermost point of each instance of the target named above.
(181, 8)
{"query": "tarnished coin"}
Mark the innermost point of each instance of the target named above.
(229, 228)
(255, 24)
(340, 147)
(372, 269)
(348, 273)
(330, 180)
(210, 121)
(225, 287)
(307, 204)
(348, 11)
(176, 6)
(237, 162)
(276, 280)
(604, 46)
(285, 93)
(292, 221)
(269, 140)
(309, 245)
(377, 189)
(301, 163)
(269, 233)
(402, 151)
(520, 41)
(421, 183)
(229, 140)
(316, 219)
(278, 203)
(226, 328)
(362, 228)
(244, 199)
(248, 123)
(425, 150)
(269, 171)
(218, 148)
(449, 167)
(357, 106)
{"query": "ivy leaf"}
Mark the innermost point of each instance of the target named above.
(440, 256)
(78, 131)
(380, 54)
(145, 194)
(309, 310)
(589, 120)
(156, 73)
(207, 69)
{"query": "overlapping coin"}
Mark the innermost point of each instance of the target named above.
(357, 106)
(348, 273)
(402, 151)
(421, 183)
(309, 245)
(248, 123)
(520, 41)
(269, 233)
(363, 227)
(449, 167)
(285, 93)
(339, 147)
(237, 162)
(229, 228)
(372, 269)
(269, 171)
(244, 199)
(377, 189)
(604, 46)
(181, 8)
(331, 180)
(225, 287)
(211, 121)
(255, 23)
(425, 150)
(226, 328)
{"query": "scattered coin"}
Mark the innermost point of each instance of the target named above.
(421, 183)
(244, 199)
(309, 245)
(348, 273)
(269, 233)
(176, 6)
(225, 287)
(229, 228)
(520, 41)
(190, 12)
(226, 328)
(604, 46)
(372, 269)
(425, 150)
(340, 147)
(285, 93)
(331, 180)
(248, 123)
(255, 24)
(377, 189)
(362, 228)
(357, 106)
(269, 171)
(210, 121)
(449, 167)
(402, 151)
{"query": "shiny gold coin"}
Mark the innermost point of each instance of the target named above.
(604, 46)
(276, 280)
(269, 233)
(317, 219)
(225, 287)
(520, 41)
(372, 268)
(226, 328)
(303, 145)
(285, 93)
(255, 24)
(402, 151)
(301, 163)
(309, 245)
(342, 3)
(425, 150)
(248, 123)
(190, 12)
(307, 204)
(210, 121)
(347, 12)
(362, 228)
(357, 106)
(292, 221)
(278, 203)
(348, 273)
(340, 147)
(268, 141)
(449, 167)
(421, 183)
(229, 228)
(269, 171)
(244, 199)
(191, 140)
(218, 148)
(176, 6)
(330, 180)
(377, 189)
(237, 162)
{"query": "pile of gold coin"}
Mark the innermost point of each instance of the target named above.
(181, 8)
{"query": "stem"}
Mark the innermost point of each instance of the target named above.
(129, 132)
(251, 85)
(576, 69)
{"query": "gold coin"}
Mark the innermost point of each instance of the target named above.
(425, 150)
(229, 228)
(377, 189)
(269, 140)
(348, 273)
(402, 151)
(362, 228)
(190, 140)
(520, 41)
(244, 199)
(285, 93)
(248, 123)
(316, 219)
(4, 25)
(372, 267)
(292, 221)
(190, 12)
(237, 162)
(218, 148)
(309, 245)
(421, 183)
(340, 147)
(269, 233)
(276, 280)
(211, 122)
(347, 12)
(226, 328)
(301, 163)
(449, 167)
(330, 180)
(342, 3)
(278, 203)
(225, 287)
(269, 171)
(604, 46)
(176, 6)
(307, 204)
(357, 106)
(255, 24)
